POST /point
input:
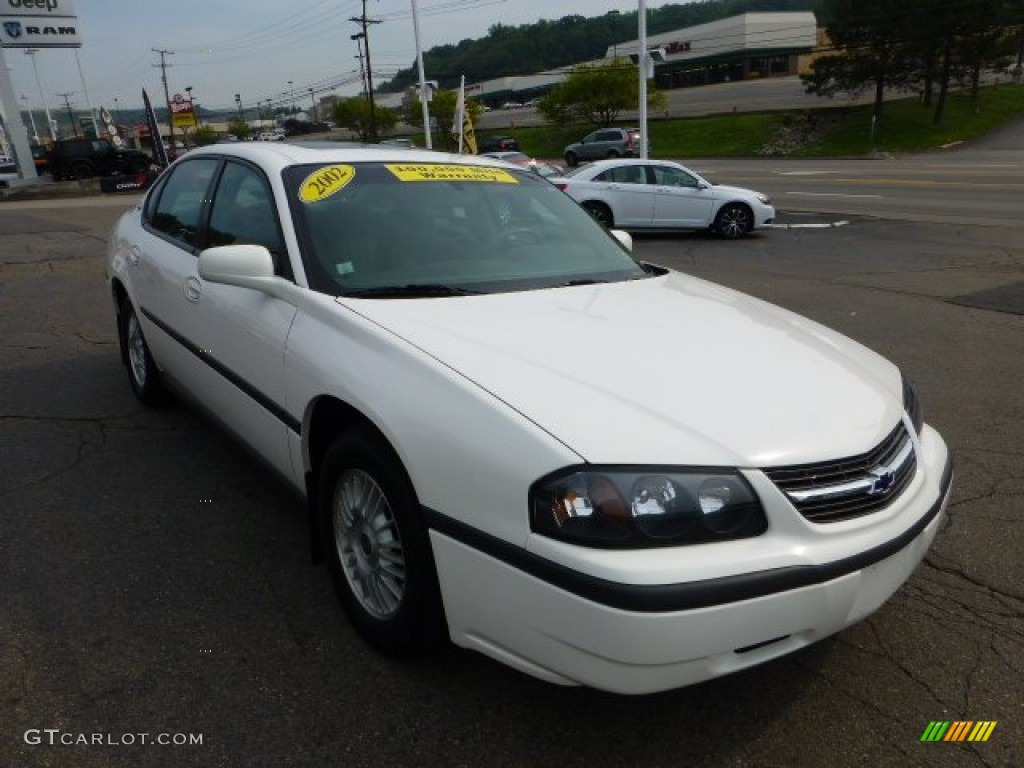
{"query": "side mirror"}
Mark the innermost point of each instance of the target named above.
(624, 238)
(245, 266)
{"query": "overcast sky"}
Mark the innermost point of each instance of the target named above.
(255, 47)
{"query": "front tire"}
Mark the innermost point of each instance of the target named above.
(377, 546)
(81, 170)
(143, 374)
(571, 160)
(734, 221)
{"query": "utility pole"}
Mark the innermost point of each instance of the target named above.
(167, 94)
(362, 70)
(364, 22)
(71, 115)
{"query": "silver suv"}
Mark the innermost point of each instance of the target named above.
(606, 142)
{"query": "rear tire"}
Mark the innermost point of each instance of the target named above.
(143, 374)
(612, 154)
(377, 546)
(601, 213)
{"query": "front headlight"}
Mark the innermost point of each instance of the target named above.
(764, 199)
(633, 508)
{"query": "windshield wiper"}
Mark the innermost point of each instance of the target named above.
(410, 291)
(582, 281)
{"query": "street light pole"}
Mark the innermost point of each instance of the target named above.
(312, 99)
(427, 137)
(641, 61)
(238, 103)
(31, 52)
(31, 118)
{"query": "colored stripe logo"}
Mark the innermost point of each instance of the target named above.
(959, 730)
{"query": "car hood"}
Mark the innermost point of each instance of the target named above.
(724, 190)
(665, 370)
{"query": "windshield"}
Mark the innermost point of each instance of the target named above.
(386, 230)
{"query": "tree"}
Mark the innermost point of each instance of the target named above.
(354, 114)
(596, 94)
(969, 43)
(867, 36)
(204, 135)
(240, 129)
(442, 110)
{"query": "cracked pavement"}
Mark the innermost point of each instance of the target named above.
(131, 604)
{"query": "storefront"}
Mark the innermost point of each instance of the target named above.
(746, 47)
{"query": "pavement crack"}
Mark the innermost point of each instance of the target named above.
(888, 655)
(932, 561)
(87, 439)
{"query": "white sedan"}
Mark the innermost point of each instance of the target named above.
(662, 195)
(509, 431)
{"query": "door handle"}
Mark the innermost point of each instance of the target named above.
(193, 289)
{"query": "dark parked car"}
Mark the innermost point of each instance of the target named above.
(82, 158)
(607, 142)
(497, 144)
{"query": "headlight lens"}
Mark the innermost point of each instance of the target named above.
(912, 405)
(764, 199)
(625, 508)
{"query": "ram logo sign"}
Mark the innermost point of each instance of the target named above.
(39, 24)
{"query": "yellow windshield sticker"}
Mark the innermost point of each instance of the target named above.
(429, 172)
(325, 182)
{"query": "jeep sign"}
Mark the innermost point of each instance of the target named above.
(45, 8)
(39, 24)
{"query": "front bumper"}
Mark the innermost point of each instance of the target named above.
(535, 620)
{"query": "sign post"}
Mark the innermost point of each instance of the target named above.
(35, 25)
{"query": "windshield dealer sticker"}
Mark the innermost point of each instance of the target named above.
(407, 172)
(325, 182)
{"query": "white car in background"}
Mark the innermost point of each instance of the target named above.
(508, 430)
(636, 195)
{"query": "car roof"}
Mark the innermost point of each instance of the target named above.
(614, 162)
(281, 154)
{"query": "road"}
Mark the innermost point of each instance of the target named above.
(954, 187)
(157, 581)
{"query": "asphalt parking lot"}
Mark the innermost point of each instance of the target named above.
(157, 582)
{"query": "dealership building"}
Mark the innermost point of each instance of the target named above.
(744, 47)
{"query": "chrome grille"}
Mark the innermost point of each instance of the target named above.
(828, 491)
